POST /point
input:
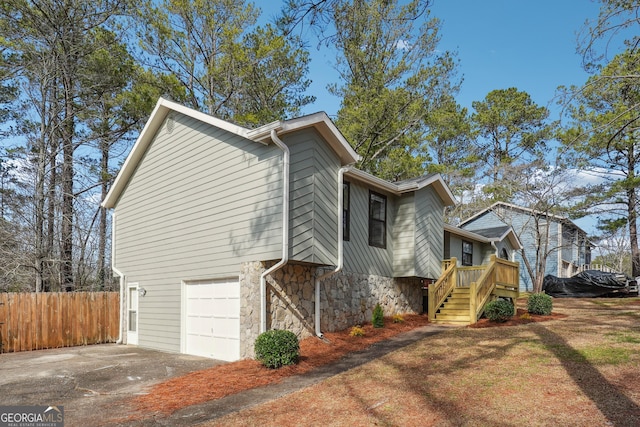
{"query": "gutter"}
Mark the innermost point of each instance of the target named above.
(120, 275)
(285, 231)
(340, 248)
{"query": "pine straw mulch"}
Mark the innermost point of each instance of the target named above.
(196, 387)
(235, 377)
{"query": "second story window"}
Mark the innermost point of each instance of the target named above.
(377, 220)
(346, 196)
(467, 253)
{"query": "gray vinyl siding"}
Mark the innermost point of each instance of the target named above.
(201, 202)
(359, 257)
(480, 254)
(404, 235)
(314, 199)
(429, 235)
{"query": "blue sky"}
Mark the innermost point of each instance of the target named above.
(530, 45)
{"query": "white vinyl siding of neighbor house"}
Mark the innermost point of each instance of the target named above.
(429, 250)
(314, 199)
(359, 257)
(201, 202)
(404, 236)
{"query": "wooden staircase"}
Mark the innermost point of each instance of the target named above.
(461, 293)
(455, 309)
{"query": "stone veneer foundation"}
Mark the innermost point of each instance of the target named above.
(346, 299)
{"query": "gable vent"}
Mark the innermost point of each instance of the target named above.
(171, 124)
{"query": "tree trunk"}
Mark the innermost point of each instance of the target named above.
(633, 228)
(102, 226)
(66, 237)
(39, 204)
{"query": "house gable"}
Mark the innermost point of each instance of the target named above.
(196, 213)
(566, 245)
(199, 203)
(485, 242)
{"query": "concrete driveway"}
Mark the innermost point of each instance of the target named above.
(91, 382)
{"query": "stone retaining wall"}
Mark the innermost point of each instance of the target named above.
(346, 299)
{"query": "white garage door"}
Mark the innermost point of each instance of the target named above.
(212, 311)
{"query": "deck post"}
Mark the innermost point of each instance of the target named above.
(472, 303)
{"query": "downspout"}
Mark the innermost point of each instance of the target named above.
(493, 243)
(120, 275)
(340, 247)
(285, 231)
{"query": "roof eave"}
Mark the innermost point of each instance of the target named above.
(156, 118)
(441, 188)
(466, 233)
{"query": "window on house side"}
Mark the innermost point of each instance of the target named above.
(346, 217)
(467, 253)
(377, 220)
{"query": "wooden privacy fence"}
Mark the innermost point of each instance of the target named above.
(33, 321)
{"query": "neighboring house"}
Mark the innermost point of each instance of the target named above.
(475, 248)
(222, 232)
(567, 247)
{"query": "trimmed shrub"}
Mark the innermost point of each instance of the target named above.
(276, 348)
(499, 310)
(378, 317)
(540, 304)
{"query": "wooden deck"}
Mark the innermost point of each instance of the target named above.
(461, 293)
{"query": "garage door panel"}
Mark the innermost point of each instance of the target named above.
(212, 319)
(200, 325)
(200, 290)
(199, 307)
(226, 328)
(226, 307)
(227, 349)
(227, 290)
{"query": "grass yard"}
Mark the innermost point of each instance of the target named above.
(580, 370)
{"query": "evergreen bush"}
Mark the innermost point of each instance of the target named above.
(276, 348)
(378, 317)
(499, 310)
(540, 304)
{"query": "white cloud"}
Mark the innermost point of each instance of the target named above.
(403, 45)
